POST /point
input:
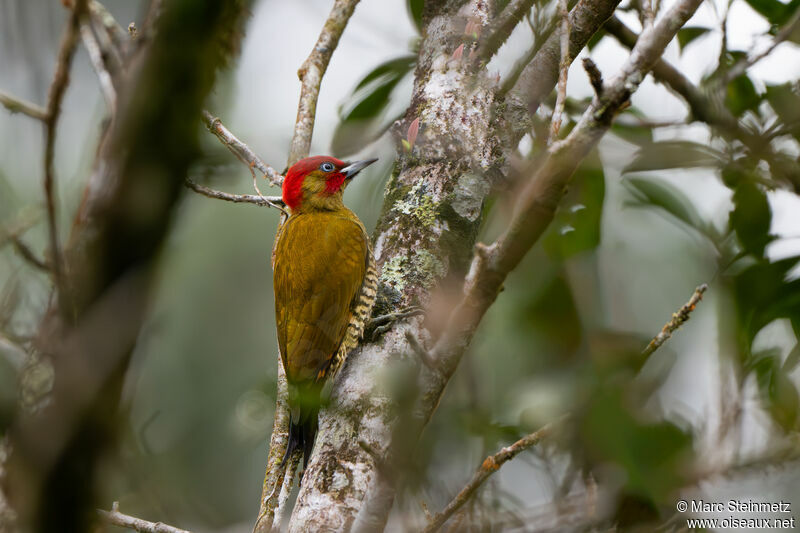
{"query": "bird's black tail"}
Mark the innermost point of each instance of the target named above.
(303, 419)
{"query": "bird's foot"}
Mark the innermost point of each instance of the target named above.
(379, 325)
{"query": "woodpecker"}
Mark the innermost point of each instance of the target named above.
(325, 283)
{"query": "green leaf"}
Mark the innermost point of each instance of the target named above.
(751, 217)
(784, 100)
(763, 294)
(633, 133)
(415, 8)
(772, 10)
(654, 456)
(778, 391)
(399, 67)
(370, 99)
(362, 114)
(776, 12)
(689, 33)
(673, 154)
(741, 96)
(660, 193)
(576, 226)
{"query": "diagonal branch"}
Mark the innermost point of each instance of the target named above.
(709, 110)
(29, 255)
(741, 66)
(117, 34)
(115, 518)
(16, 105)
(676, 321)
(501, 29)
(489, 466)
(268, 201)
(540, 75)
(540, 198)
(311, 74)
(56, 95)
(240, 149)
(96, 58)
(563, 71)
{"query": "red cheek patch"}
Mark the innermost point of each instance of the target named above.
(334, 183)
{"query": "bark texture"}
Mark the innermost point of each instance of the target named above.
(426, 232)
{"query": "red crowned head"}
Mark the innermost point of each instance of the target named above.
(317, 183)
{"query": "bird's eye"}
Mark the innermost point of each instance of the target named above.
(326, 167)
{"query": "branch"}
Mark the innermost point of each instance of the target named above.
(708, 110)
(240, 149)
(701, 106)
(741, 66)
(676, 321)
(112, 257)
(311, 74)
(515, 11)
(116, 32)
(269, 201)
(563, 70)
(540, 75)
(489, 466)
(539, 200)
(96, 58)
(115, 518)
(56, 95)
(15, 105)
(274, 478)
(27, 254)
(25, 221)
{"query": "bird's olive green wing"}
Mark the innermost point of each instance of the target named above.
(320, 264)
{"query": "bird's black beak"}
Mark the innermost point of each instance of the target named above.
(354, 168)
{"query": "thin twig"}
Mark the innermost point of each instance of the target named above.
(96, 58)
(424, 355)
(648, 13)
(240, 149)
(16, 105)
(502, 28)
(676, 321)
(489, 466)
(311, 73)
(22, 223)
(709, 110)
(115, 518)
(27, 254)
(117, 33)
(742, 66)
(268, 201)
(563, 72)
(595, 76)
(56, 95)
(276, 470)
(540, 75)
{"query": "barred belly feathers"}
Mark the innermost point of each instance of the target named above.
(325, 284)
